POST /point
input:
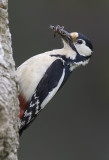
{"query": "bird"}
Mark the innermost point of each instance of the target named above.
(42, 76)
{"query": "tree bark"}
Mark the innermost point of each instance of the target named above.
(9, 138)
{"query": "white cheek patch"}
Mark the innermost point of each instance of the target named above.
(83, 49)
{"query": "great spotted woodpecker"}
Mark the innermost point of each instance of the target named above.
(41, 76)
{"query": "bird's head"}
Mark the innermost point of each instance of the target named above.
(79, 43)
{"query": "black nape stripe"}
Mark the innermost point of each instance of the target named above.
(68, 60)
(79, 58)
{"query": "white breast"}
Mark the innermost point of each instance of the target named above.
(30, 73)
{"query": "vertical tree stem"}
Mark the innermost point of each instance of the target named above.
(9, 109)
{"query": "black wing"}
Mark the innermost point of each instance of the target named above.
(47, 84)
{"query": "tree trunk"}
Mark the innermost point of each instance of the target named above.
(9, 109)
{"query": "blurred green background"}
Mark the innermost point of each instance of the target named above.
(75, 124)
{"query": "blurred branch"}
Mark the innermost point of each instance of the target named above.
(9, 138)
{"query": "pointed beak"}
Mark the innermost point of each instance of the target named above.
(62, 32)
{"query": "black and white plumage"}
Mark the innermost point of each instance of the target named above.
(41, 76)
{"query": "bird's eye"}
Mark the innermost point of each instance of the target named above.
(79, 41)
